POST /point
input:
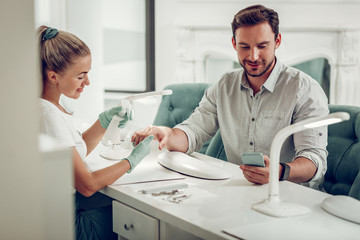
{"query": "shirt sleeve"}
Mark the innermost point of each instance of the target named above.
(311, 144)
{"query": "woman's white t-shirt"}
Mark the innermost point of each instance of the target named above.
(61, 126)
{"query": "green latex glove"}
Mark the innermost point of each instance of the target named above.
(139, 152)
(127, 114)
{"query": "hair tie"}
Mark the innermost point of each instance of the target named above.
(49, 33)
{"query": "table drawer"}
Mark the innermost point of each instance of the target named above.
(133, 224)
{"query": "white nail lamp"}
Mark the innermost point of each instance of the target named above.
(112, 137)
(273, 205)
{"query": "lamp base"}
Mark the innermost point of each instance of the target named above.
(273, 206)
(116, 154)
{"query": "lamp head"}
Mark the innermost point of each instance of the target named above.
(329, 119)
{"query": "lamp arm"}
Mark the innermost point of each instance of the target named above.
(273, 205)
(284, 133)
(275, 150)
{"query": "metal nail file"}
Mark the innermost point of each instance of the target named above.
(164, 188)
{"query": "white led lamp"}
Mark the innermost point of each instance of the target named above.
(273, 205)
(112, 137)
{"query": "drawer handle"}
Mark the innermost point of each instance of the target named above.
(128, 227)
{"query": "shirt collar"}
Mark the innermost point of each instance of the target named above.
(272, 79)
(274, 76)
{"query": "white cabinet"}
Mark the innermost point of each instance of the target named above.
(133, 224)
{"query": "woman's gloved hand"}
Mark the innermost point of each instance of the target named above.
(139, 152)
(124, 110)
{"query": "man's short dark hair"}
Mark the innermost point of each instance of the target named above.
(254, 15)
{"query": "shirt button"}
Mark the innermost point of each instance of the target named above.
(251, 143)
(253, 119)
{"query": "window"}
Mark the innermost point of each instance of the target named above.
(128, 31)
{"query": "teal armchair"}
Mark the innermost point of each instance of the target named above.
(216, 147)
(343, 173)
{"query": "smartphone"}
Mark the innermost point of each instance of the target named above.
(253, 159)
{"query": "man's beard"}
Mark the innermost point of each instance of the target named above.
(257, 75)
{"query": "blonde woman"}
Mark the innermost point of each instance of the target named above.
(65, 64)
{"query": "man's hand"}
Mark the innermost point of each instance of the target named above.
(258, 175)
(161, 134)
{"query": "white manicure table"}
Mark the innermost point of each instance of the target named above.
(212, 209)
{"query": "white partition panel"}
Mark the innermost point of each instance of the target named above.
(21, 202)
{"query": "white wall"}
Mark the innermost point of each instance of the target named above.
(83, 19)
(21, 211)
(171, 14)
